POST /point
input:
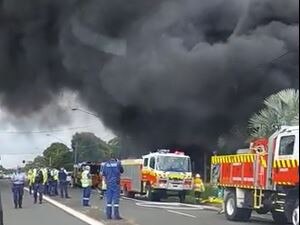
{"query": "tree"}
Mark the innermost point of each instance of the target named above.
(88, 147)
(280, 109)
(115, 145)
(58, 155)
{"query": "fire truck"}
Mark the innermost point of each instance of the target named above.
(264, 178)
(157, 175)
(94, 171)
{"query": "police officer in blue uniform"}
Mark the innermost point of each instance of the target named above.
(112, 170)
(18, 181)
(63, 183)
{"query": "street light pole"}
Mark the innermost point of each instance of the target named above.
(87, 112)
(75, 153)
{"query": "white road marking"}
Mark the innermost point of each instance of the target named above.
(171, 205)
(72, 212)
(182, 214)
(166, 207)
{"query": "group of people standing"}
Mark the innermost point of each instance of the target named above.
(48, 181)
(111, 177)
(42, 181)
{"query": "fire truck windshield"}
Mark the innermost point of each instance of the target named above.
(174, 164)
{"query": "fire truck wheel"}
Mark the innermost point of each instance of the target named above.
(262, 211)
(182, 196)
(128, 194)
(295, 215)
(232, 212)
(279, 217)
(149, 193)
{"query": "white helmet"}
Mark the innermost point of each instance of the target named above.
(87, 168)
(198, 175)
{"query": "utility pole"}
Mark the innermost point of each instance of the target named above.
(76, 153)
(205, 166)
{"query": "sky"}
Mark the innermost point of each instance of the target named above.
(17, 143)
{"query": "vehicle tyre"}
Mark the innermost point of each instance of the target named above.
(232, 212)
(149, 193)
(262, 211)
(125, 191)
(181, 196)
(295, 214)
(279, 217)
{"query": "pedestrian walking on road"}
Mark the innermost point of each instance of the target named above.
(86, 183)
(63, 183)
(38, 189)
(112, 170)
(18, 181)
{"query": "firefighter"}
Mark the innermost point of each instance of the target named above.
(198, 187)
(86, 183)
(18, 181)
(112, 170)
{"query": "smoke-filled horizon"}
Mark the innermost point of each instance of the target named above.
(160, 73)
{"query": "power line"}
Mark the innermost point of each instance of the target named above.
(22, 153)
(277, 58)
(45, 131)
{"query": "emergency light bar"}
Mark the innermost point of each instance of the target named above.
(163, 151)
(179, 153)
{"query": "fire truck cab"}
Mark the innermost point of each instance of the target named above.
(158, 175)
(264, 179)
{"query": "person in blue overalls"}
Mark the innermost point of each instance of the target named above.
(112, 170)
(18, 181)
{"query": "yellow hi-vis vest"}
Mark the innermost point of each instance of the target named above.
(86, 181)
(45, 175)
(55, 174)
(198, 185)
(30, 177)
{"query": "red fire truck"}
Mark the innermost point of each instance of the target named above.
(157, 175)
(264, 179)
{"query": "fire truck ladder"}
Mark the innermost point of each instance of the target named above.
(258, 196)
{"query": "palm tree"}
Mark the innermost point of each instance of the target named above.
(281, 109)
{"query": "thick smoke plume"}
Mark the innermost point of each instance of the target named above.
(160, 73)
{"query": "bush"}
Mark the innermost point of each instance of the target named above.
(210, 191)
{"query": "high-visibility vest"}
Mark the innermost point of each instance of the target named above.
(85, 180)
(198, 185)
(30, 177)
(55, 174)
(45, 175)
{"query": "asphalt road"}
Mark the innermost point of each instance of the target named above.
(134, 212)
(140, 212)
(31, 214)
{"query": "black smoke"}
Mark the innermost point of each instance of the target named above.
(159, 73)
